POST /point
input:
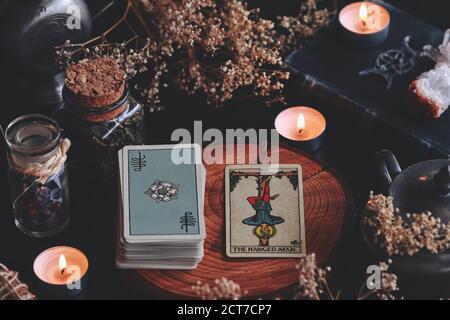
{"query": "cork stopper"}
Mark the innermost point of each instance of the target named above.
(95, 83)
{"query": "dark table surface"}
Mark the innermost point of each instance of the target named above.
(93, 203)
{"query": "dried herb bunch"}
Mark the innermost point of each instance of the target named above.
(407, 235)
(217, 49)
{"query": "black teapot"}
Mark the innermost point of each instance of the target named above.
(30, 31)
(422, 187)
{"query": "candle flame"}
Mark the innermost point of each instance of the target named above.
(62, 262)
(363, 14)
(300, 122)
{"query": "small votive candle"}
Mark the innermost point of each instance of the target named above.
(62, 272)
(304, 126)
(364, 24)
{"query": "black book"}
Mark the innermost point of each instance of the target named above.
(330, 69)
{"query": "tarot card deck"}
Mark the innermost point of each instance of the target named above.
(264, 211)
(161, 221)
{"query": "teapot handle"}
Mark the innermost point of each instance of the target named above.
(388, 167)
(442, 181)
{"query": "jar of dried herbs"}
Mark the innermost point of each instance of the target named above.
(37, 175)
(101, 115)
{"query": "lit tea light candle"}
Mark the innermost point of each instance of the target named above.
(62, 272)
(303, 125)
(365, 23)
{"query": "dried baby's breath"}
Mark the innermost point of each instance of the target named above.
(404, 235)
(220, 50)
(294, 31)
(312, 281)
(220, 289)
(312, 285)
(388, 286)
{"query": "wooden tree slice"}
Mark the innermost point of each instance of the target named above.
(326, 205)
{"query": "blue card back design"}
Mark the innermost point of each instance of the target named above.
(163, 197)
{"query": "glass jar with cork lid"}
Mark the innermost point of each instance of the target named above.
(37, 175)
(100, 115)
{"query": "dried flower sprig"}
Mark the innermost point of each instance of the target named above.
(406, 235)
(221, 289)
(294, 31)
(312, 281)
(217, 49)
(312, 285)
(221, 50)
(388, 289)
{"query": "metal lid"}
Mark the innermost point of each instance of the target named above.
(424, 186)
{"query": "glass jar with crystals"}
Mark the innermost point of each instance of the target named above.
(37, 175)
(100, 115)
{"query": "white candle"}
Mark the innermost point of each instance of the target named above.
(300, 123)
(61, 265)
(364, 18)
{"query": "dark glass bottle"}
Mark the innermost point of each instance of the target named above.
(98, 134)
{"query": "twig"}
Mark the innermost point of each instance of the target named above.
(257, 174)
(102, 36)
(328, 290)
(103, 10)
(139, 16)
